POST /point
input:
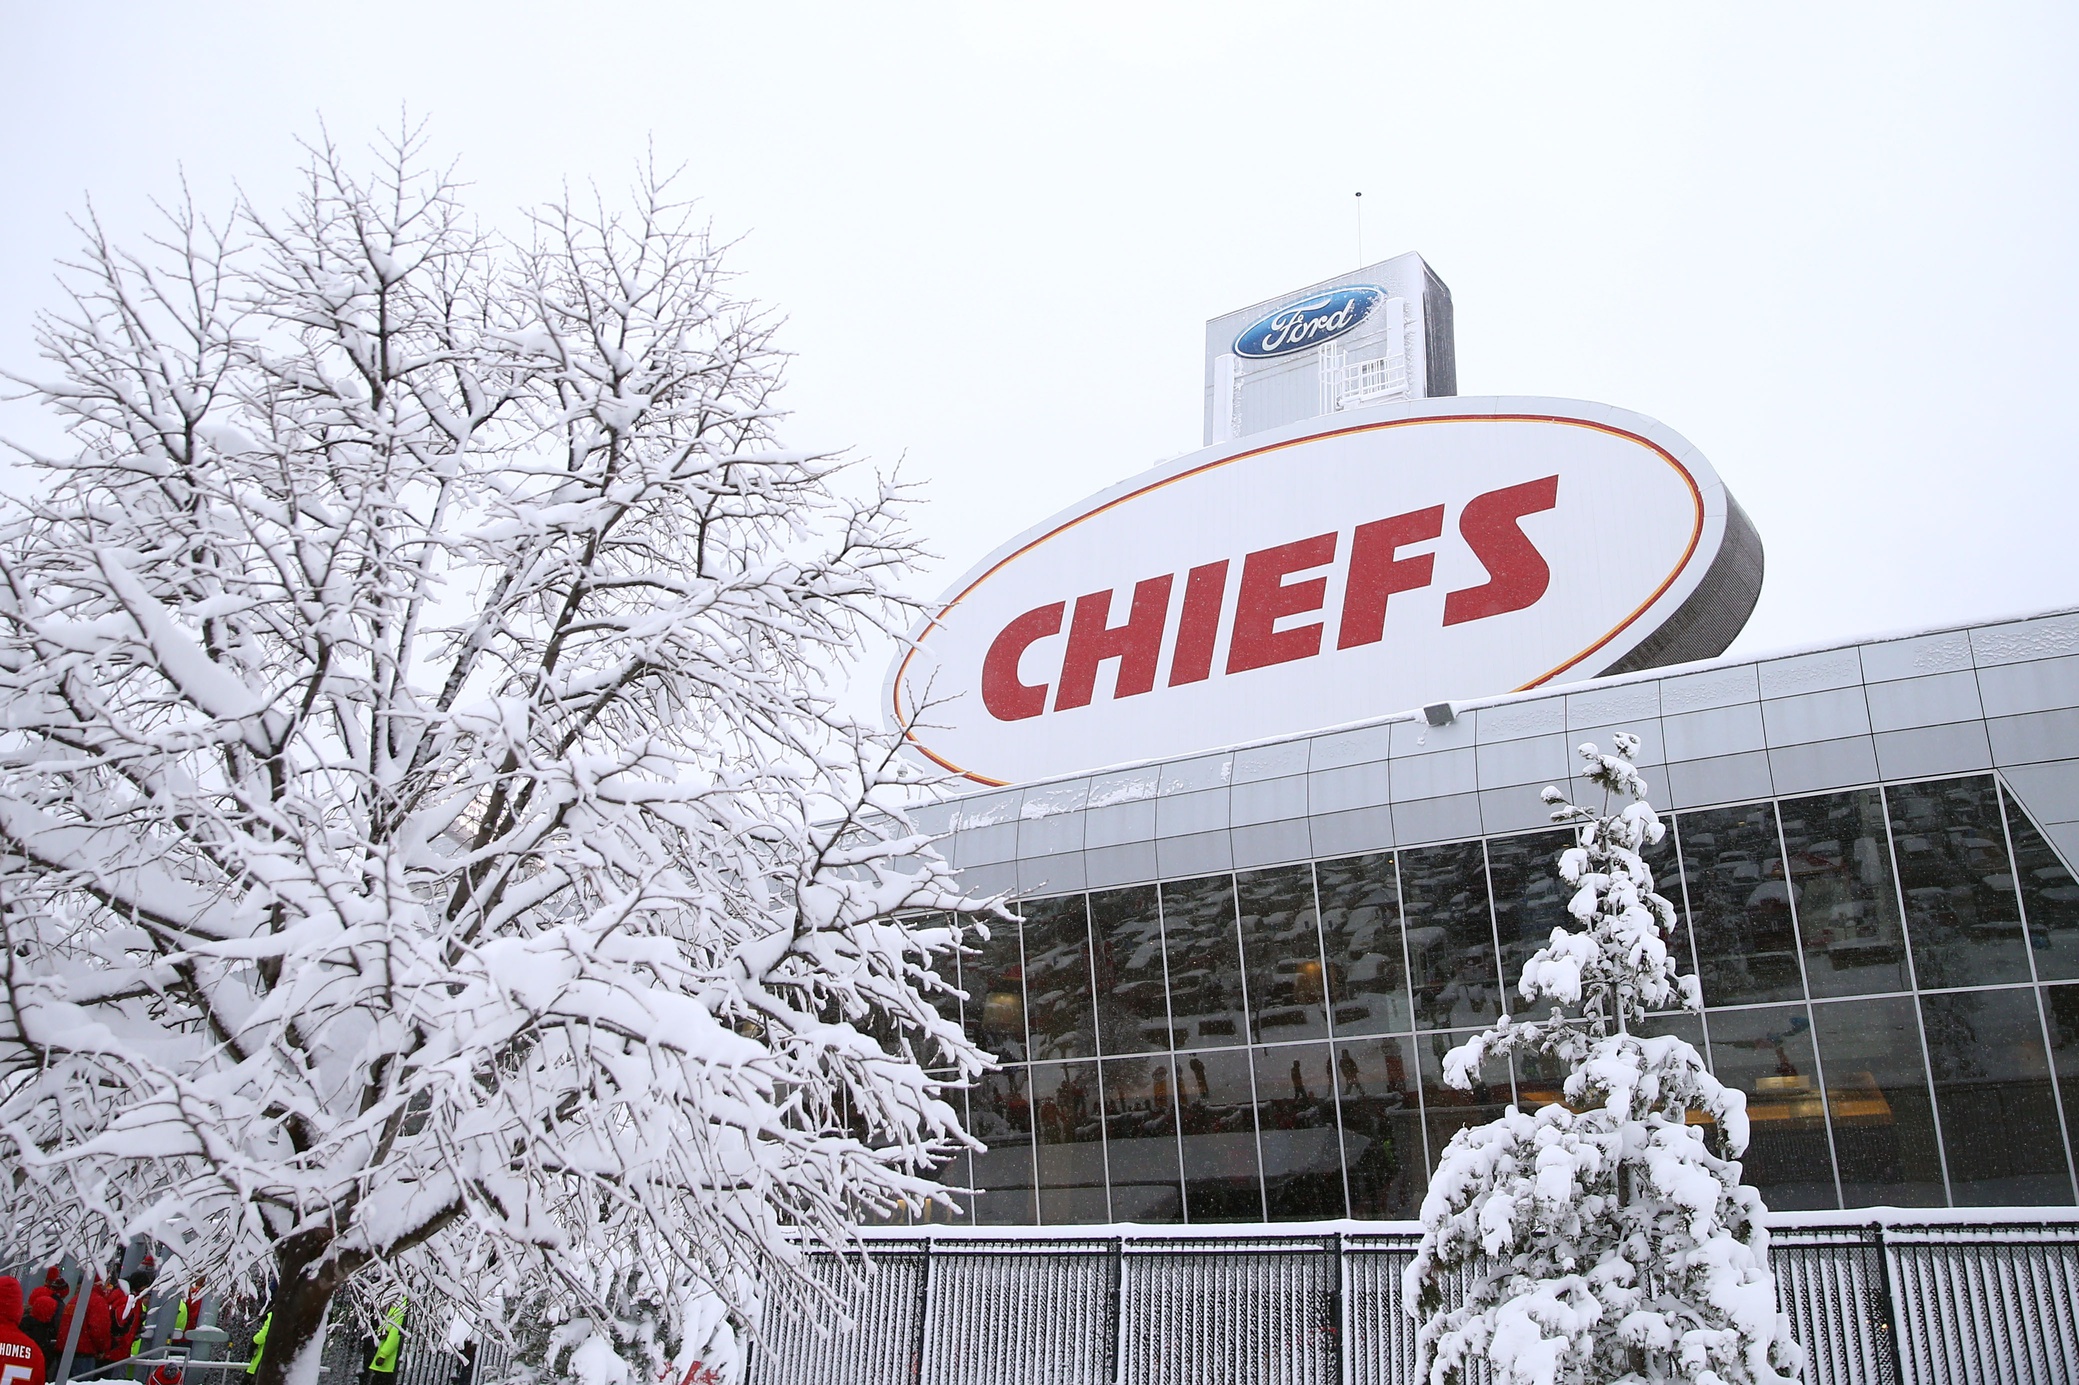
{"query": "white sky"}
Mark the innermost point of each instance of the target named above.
(1832, 245)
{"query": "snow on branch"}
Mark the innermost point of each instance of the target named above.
(418, 774)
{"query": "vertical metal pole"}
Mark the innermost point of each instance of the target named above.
(923, 1314)
(1339, 1310)
(80, 1297)
(1888, 1330)
(1115, 1313)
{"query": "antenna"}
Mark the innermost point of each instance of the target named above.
(1360, 230)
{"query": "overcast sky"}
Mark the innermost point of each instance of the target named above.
(1832, 245)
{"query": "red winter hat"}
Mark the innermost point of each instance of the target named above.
(54, 1275)
(10, 1300)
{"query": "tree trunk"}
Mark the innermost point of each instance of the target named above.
(297, 1316)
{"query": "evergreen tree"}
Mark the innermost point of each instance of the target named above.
(1606, 1239)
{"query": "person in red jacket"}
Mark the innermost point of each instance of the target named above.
(40, 1323)
(21, 1360)
(125, 1318)
(93, 1329)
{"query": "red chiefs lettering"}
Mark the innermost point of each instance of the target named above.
(1277, 583)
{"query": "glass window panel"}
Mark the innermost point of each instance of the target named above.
(1739, 905)
(956, 1172)
(1216, 1108)
(1140, 1115)
(1068, 1123)
(1058, 1017)
(1000, 1116)
(1961, 912)
(1663, 860)
(1205, 968)
(2061, 1009)
(995, 973)
(1689, 1028)
(1993, 1092)
(1281, 949)
(1132, 993)
(2049, 895)
(946, 967)
(1529, 902)
(1443, 891)
(1767, 1054)
(1847, 902)
(1385, 1164)
(1360, 935)
(1448, 1110)
(1296, 1131)
(1540, 1080)
(1876, 1095)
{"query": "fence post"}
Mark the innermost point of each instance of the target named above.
(1339, 1310)
(917, 1332)
(1888, 1346)
(1115, 1312)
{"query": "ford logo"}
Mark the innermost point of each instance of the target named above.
(1321, 318)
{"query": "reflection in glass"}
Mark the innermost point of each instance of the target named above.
(1768, 1055)
(1000, 1116)
(946, 967)
(1205, 970)
(1992, 1090)
(1360, 936)
(1443, 891)
(1447, 1109)
(1068, 1124)
(1217, 1111)
(1057, 978)
(1688, 1028)
(1296, 1131)
(1740, 905)
(1385, 1166)
(1282, 952)
(1663, 860)
(1847, 902)
(2061, 1011)
(1529, 902)
(1961, 912)
(2049, 896)
(995, 974)
(1140, 1126)
(1132, 994)
(1876, 1097)
(1540, 1080)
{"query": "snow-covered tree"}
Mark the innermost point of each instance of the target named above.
(430, 853)
(1608, 1238)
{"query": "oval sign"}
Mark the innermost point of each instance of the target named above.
(1337, 571)
(1324, 317)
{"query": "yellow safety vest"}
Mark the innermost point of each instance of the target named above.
(259, 1344)
(393, 1342)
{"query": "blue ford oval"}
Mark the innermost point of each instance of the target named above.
(1324, 317)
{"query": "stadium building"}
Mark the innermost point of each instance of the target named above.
(1257, 738)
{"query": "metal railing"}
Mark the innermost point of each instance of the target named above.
(1875, 1305)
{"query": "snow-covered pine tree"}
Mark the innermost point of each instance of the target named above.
(430, 854)
(1608, 1239)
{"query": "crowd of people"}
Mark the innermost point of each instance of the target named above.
(112, 1312)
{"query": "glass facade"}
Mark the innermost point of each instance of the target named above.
(1890, 974)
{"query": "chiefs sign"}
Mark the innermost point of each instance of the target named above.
(1334, 571)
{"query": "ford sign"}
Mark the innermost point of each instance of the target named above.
(1334, 571)
(1324, 317)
